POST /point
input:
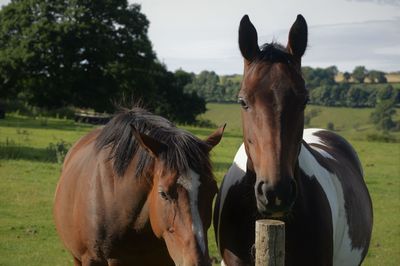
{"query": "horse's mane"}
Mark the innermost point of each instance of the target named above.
(184, 149)
(275, 53)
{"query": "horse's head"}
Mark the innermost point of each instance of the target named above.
(180, 202)
(273, 97)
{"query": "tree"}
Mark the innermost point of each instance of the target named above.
(359, 74)
(206, 85)
(171, 102)
(357, 97)
(346, 77)
(316, 77)
(377, 76)
(83, 53)
(383, 114)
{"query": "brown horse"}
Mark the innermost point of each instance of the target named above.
(314, 182)
(132, 183)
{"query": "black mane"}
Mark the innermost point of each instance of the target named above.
(184, 149)
(275, 53)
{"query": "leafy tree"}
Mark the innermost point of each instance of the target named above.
(346, 77)
(183, 78)
(359, 74)
(72, 52)
(383, 114)
(83, 53)
(316, 77)
(173, 103)
(356, 97)
(377, 76)
(386, 93)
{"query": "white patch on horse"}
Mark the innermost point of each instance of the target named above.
(241, 158)
(192, 186)
(323, 153)
(232, 178)
(343, 253)
(310, 137)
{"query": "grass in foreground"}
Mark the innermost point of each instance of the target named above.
(28, 182)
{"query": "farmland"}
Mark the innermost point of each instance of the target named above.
(29, 170)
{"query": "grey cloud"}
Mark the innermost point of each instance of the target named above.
(375, 44)
(381, 2)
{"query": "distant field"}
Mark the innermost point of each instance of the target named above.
(393, 77)
(28, 175)
(352, 123)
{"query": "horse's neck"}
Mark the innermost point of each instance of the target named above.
(128, 194)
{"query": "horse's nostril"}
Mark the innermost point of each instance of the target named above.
(260, 188)
(271, 196)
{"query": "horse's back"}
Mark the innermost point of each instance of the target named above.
(332, 161)
(71, 195)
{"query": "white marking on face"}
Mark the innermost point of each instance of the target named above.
(192, 186)
(343, 253)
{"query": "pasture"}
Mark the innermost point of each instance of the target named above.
(29, 171)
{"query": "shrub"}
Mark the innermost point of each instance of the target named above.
(385, 137)
(58, 150)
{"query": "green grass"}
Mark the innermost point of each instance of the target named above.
(28, 179)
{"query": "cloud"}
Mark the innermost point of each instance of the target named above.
(373, 44)
(381, 2)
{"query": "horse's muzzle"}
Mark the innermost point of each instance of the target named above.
(275, 200)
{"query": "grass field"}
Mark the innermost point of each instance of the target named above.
(29, 171)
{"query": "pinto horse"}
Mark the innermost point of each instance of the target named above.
(311, 179)
(132, 183)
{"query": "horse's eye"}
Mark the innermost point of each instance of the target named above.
(243, 103)
(164, 195)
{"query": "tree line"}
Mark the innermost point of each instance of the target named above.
(324, 89)
(88, 54)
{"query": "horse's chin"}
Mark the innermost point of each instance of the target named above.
(272, 215)
(277, 215)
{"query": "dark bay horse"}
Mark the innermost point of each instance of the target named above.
(311, 180)
(138, 191)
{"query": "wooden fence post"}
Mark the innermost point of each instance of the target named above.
(270, 243)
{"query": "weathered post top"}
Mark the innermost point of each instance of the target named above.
(270, 243)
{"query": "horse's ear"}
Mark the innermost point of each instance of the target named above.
(248, 40)
(298, 35)
(215, 137)
(151, 145)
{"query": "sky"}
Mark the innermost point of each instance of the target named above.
(202, 35)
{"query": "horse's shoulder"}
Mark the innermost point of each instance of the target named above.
(332, 146)
(80, 145)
